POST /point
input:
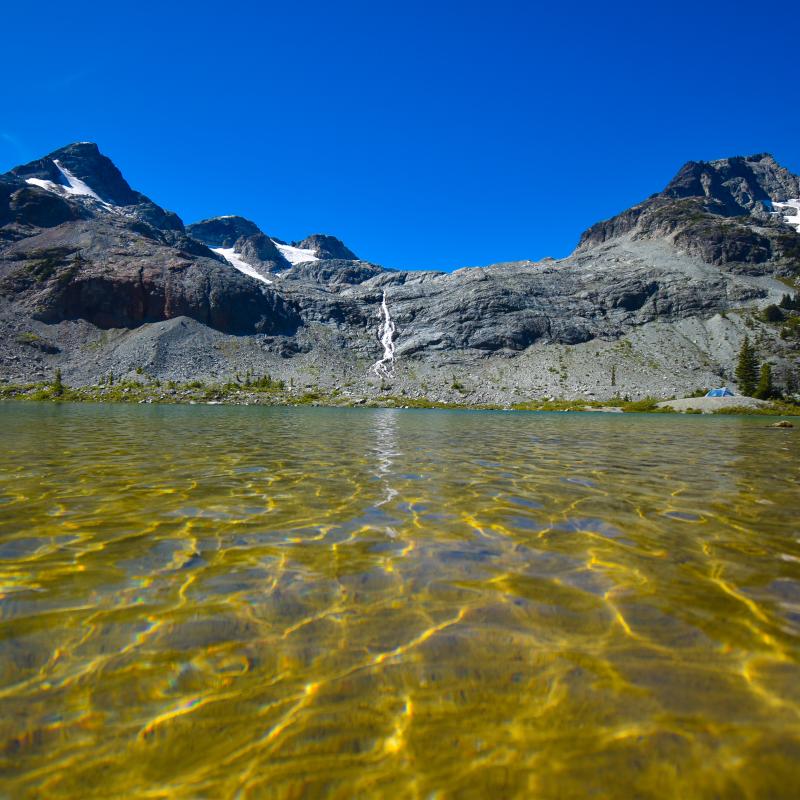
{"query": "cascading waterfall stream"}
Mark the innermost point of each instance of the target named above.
(384, 368)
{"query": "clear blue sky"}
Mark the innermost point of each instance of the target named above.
(424, 134)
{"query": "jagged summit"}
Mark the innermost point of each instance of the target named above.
(84, 163)
(739, 184)
(80, 173)
(224, 231)
(742, 209)
(247, 248)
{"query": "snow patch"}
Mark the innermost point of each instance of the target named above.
(48, 185)
(75, 185)
(295, 255)
(235, 260)
(789, 219)
(72, 185)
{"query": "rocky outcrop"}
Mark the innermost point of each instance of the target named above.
(334, 273)
(79, 272)
(259, 250)
(24, 208)
(76, 242)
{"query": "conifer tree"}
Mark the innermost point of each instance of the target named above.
(747, 368)
(765, 390)
(58, 386)
(790, 302)
(791, 382)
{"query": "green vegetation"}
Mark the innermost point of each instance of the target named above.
(765, 390)
(648, 404)
(772, 314)
(424, 402)
(28, 337)
(791, 328)
(271, 392)
(747, 368)
(780, 409)
(790, 302)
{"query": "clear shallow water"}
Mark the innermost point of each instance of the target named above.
(256, 602)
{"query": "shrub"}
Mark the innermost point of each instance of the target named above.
(772, 314)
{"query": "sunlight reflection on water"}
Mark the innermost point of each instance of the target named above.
(254, 602)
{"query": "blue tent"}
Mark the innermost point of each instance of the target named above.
(722, 392)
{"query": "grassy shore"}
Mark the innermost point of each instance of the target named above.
(277, 394)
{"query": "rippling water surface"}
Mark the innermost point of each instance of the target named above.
(210, 602)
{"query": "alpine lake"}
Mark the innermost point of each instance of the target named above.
(250, 602)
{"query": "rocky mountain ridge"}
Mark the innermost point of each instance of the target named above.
(110, 281)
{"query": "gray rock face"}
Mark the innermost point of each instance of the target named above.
(334, 273)
(104, 257)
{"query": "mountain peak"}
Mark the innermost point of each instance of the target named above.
(741, 183)
(326, 247)
(222, 231)
(84, 169)
(750, 192)
(80, 172)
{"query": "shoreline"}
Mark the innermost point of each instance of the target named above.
(197, 393)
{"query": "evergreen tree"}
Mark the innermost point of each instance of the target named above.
(791, 382)
(765, 389)
(58, 386)
(791, 303)
(747, 368)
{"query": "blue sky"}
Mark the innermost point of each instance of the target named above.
(424, 134)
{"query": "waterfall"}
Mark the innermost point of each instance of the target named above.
(384, 368)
